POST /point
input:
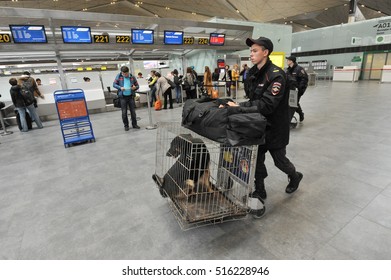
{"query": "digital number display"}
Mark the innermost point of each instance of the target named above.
(142, 36)
(122, 39)
(5, 38)
(101, 39)
(188, 40)
(173, 37)
(216, 39)
(203, 41)
(76, 34)
(28, 33)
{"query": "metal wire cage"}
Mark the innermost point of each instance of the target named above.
(205, 182)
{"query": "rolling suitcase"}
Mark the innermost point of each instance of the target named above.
(28, 120)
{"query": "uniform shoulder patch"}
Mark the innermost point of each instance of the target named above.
(276, 88)
(302, 71)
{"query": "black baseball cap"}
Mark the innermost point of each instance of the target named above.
(292, 58)
(262, 41)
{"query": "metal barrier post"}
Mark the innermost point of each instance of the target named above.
(5, 132)
(151, 125)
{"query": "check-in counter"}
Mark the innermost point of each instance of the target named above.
(93, 93)
(346, 73)
(386, 74)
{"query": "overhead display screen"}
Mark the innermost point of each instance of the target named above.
(76, 34)
(142, 36)
(28, 33)
(216, 39)
(173, 37)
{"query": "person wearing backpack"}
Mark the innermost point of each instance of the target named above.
(189, 84)
(23, 100)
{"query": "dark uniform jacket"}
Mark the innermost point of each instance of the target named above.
(267, 89)
(298, 78)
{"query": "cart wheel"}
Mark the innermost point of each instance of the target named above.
(259, 213)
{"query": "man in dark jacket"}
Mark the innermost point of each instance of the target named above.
(266, 88)
(127, 85)
(298, 79)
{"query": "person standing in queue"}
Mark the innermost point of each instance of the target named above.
(227, 79)
(298, 79)
(266, 87)
(127, 85)
(163, 88)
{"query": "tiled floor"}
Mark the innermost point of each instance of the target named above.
(97, 201)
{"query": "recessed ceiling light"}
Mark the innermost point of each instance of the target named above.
(363, 6)
(238, 11)
(326, 9)
(379, 12)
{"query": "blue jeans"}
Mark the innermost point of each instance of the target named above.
(153, 95)
(33, 114)
(128, 101)
(178, 94)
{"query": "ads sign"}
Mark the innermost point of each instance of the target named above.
(383, 27)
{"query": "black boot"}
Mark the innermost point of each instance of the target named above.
(259, 190)
(294, 181)
(301, 117)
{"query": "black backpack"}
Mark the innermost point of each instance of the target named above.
(172, 84)
(27, 93)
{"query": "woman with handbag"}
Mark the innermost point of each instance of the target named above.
(164, 88)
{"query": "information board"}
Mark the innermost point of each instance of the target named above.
(28, 33)
(5, 38)
(72, 109)
(173, 37)
(142, 36)
(216, 39)
(76, 34)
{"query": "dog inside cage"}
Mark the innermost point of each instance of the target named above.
(204, 180)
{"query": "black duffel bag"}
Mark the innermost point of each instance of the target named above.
(236, 126)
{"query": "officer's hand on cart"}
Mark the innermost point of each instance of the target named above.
(229, 103)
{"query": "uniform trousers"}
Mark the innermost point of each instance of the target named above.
(279, 158)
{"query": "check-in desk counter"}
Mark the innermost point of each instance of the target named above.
(142, 91)
(386, 74)
(346, 73)
(93, 93)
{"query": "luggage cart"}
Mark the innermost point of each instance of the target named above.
(73, 115)
(204, 181)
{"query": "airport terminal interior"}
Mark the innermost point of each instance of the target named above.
(96, 200)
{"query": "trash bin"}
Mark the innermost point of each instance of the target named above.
(311, 79)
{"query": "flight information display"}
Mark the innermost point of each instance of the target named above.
(142, 36)
(173, 37)
(28, 33)
(76, 34)
(216, 39)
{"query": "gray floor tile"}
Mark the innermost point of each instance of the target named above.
(98, 201)
(362, 239)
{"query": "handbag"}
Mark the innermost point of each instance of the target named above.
(158, 105)
(117, 102)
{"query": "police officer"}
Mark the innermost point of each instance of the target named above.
(266, 88)
(298, 79)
